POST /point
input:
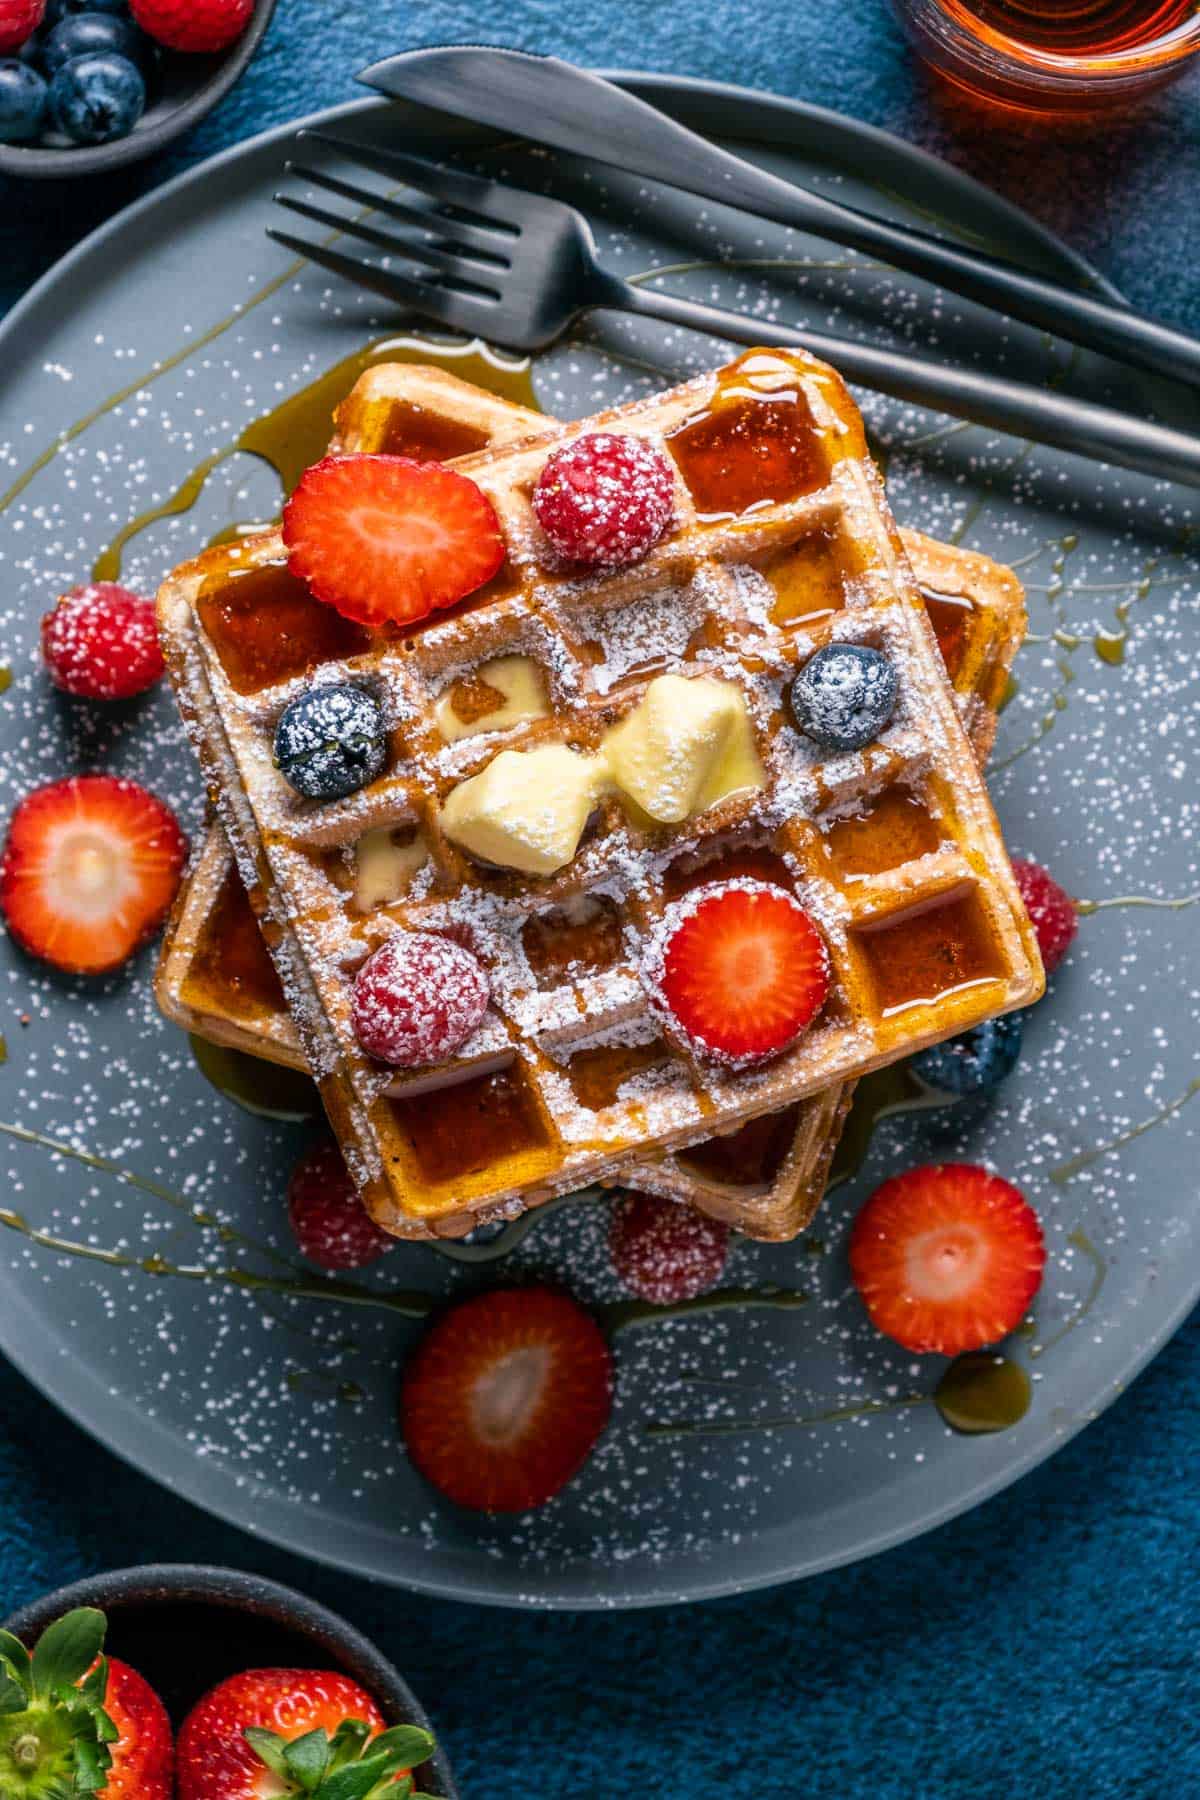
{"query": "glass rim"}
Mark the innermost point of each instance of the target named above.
(988, 46)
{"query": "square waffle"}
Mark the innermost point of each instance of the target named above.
(216, 979)
(782, 542)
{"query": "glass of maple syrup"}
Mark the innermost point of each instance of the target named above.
(1052, 56)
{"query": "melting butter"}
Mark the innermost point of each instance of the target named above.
(527, 809)
(506, 691)
(385, 862)
(686, 745)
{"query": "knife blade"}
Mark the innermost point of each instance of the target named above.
(552, 102)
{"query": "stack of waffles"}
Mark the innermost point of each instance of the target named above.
(782, 542)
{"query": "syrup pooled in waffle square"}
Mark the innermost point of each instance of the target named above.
(216, 979)
(572, 1074)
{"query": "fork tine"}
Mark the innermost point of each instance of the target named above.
(469, 237)
(469, 274)
(451, 186)
(461, 312)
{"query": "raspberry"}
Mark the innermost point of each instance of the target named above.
(604, 500)
(1051, 909)
(101, 643)
(417, 999)
(203, 25)
(332, 1226)
(19, 19)
(663, 1251)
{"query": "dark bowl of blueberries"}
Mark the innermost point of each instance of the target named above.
(89, 85)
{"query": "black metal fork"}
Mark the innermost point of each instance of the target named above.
(518, 269)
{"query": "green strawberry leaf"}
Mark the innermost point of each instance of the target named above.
(92, 1763)
(407, 1743)
(16, 1656)
(94, 1688)
(348, 1742)
(270, 1747)
(13, 1698)
(307, 1759)
(67, 1649)
(358, 1781)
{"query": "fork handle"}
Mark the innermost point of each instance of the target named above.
(1100, 432)
(550, 101)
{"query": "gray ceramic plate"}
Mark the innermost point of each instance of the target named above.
(794, 1440)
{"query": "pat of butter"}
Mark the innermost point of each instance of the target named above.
(686, 745)
(502, 692)
(383, 868)
(527, 809)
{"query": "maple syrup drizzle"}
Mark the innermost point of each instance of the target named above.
(754, 444)
(266, 627)
(232, 961)
(807, 579)
(916, 958)
(597, 1075)
(583, 938)
(893, 828)
(735, 862)
(950, 615)
(295, 434)
(462, 1129)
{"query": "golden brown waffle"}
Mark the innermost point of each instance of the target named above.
(894, 849)
(216, 979)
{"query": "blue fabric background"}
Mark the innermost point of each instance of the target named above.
(1043, 1646)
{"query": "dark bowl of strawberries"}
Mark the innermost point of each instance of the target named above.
(205, 1684)
(87, 86)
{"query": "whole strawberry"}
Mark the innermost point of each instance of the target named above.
(73, 1722)
(19, 19)
(295, 1731)
(202, 25)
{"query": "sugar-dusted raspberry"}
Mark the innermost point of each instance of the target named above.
(332, 1226)
(663, 1251)
(605, 501)
(1051, 909)
(418, 998)
(101, 642)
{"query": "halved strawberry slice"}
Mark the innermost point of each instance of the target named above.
(739, 968)
(386, 540)
(89, 872)
(947, 1257)
(505, 1396)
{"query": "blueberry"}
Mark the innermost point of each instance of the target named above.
(94, 99)
(22, 102)
(844, 696)
(31, 50)
(975, 1062)
(93, 34)
(58, 10)
(330, 741)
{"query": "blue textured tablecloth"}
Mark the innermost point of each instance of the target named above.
(1043, 1646)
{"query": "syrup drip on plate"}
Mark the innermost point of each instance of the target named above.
(980, 1392)
(295, 434)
